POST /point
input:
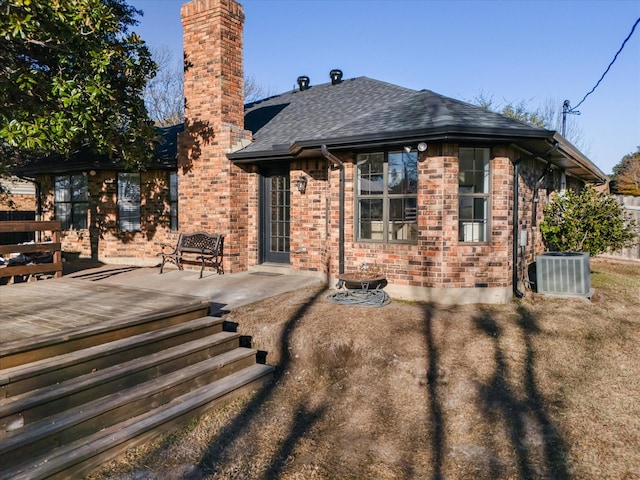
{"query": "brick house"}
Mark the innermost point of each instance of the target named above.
(17, 199)
(444, 195)
(108, 213)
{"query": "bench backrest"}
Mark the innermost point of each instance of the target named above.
(200, 242)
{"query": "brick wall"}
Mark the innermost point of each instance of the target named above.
(17, 202)
(19, 195)
(438, 260)
(213, 193)
(308, 213)
(103, 240)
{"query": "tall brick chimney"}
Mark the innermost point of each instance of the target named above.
(212, 192)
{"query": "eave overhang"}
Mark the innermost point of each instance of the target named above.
(565, 157)
(387, 139)
(569, 159)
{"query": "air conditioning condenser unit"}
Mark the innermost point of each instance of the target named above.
(560, 273)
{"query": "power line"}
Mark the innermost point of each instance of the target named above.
(609, 67)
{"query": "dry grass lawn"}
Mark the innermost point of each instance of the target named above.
(541, 388)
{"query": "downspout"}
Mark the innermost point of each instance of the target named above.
(336, 161)
(516, 218)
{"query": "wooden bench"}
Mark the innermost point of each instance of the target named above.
(208, 248)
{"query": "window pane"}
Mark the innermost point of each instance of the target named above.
(465, 159)
(473, 219)
(279, 214)
(129, 215)
(472, 208)
(173, 222)
(387, 185)
(478, 182)
(465, 211)
(473, 176)
(371, 209)
(370, 224)
(70, 198)
(173, 201)
(129, 187)
(472, 232)
(80, 216)
(482, 159)
(129, 201)
(63, 213)
(173, 186)
(403, 173)
(62, 189)
(370, 173)
(79, 188)
(403, 219)
(473, 187)
(480, 208)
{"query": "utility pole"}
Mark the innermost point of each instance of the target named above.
(565, 110)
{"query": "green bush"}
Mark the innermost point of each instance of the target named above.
(588, 221)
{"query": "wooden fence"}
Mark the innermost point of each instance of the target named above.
(631, 206)
(43, 255)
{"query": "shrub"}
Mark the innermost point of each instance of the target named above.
(588, 221)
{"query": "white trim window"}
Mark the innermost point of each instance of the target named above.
(71, 201)
(387, 197)
(473, 194)
(129, 202)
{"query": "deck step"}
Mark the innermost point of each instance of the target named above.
(170, 310)
(24, 409)
(77, 458)
(49, 371)
(69, 426)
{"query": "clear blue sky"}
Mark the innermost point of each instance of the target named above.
(507, 50)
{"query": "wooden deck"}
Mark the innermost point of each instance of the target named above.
(90, 369)
(36, 315)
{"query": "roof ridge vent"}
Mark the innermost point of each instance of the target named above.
(336, 76)
(303, 82)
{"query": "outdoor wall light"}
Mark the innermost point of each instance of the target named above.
(302, 183)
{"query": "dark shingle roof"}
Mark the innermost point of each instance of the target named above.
(362, 112)
(318, 112)
(364, 108)
(164, 158)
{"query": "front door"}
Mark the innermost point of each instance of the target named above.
(274, 219)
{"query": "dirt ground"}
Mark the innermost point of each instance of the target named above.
(541, 388)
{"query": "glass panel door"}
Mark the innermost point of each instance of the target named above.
(275, 230)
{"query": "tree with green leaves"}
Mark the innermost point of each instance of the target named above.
(72, 76)
(588, 221)
(626, 175)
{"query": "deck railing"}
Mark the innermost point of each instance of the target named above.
(45, 247)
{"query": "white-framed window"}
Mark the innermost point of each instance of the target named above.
(129, 202)
(71, 201)
(173, 201)
(473, 194)
(387, 197)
